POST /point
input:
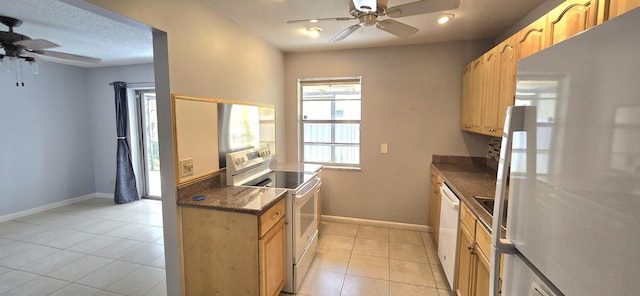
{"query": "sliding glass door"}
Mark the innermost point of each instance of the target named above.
(148, 137)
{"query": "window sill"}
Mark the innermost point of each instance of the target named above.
(341, 168)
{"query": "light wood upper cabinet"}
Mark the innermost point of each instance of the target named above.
(507, 70)
(472, 88)
(570, 18)
(532, 38)
(491, 88)
(618, 7)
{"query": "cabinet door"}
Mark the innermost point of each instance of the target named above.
(490, 91)
(533, 38)
(477, 94)
(272, 260)
(467, 104)
(618, 7)
(434, 205)
(570, 18)
(465, 262)
(481, 274)
(507, 70)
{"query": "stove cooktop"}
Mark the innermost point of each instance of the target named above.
(280, 179)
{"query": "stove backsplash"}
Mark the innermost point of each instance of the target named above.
(493, 148)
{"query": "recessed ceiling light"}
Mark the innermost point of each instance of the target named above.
(314, 32)
(444, 18)
(313, 21)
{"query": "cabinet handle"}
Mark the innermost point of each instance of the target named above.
(275, 215)
(467, 126)
(470, 248)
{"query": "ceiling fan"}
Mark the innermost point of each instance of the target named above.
(20, 46)
(368, 11)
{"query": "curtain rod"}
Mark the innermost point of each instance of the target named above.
(152, 82)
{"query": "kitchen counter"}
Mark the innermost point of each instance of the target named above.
(469, 177)
(250, 200)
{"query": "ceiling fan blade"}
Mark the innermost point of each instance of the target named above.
(346, 32)
(36, 44)
(344, 18)
(396, 28)
(68, 56)
(422, 7)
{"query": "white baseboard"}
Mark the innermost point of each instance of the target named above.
(104, 195)
(43, 208)
(378, 223)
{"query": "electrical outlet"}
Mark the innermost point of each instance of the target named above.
(186, 167)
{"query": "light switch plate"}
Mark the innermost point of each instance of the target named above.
(384, 148)
(186, 167)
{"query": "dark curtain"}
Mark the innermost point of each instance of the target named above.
(126, 190)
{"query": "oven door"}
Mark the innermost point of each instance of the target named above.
(305, 216)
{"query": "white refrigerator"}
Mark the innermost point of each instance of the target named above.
(570, 168)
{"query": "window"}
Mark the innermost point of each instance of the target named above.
(331, 121)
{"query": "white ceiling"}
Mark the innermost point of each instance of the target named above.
(85, 33)
(474, 19)
(80, 32)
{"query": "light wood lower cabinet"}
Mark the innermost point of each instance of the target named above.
(232, 253)
(474, 243)
(434, 204)
(464, 274)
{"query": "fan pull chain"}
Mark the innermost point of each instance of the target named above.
(19, 69)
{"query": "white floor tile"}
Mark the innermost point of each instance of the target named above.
(14, 279)
(144, 255)
(159, 262)
(76, 290)
(126, 230)
(138, 282)
(118, 248)
(108, 274)
(9, 248)
(68, 238)
(159, 290)
(93, 244)
(39, 286)
(27, 255)
(53, 262)
(147, 234)
(79, 268)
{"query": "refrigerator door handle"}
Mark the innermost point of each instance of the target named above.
(518, 119)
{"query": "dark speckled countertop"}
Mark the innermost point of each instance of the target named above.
(469, 177)
(250, 200)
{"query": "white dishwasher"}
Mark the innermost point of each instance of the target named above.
(448, 236)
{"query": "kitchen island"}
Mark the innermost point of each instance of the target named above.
(232, 239)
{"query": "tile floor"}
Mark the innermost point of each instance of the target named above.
(95, 247)
(92, 247)
(364, 260)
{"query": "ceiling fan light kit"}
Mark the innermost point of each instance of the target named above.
(444, 18)
(314, 32)
(18, 48)
(367, 13)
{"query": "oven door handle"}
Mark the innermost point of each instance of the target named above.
(303, 197)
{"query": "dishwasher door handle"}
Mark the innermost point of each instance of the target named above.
(452, 201)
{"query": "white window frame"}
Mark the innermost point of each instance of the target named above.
(301, 121)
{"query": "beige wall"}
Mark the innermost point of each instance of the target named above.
(410, 100)
(208, 56)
